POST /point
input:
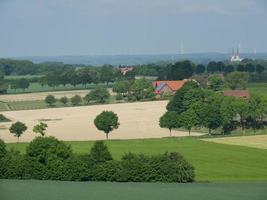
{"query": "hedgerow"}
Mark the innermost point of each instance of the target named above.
(47, 158)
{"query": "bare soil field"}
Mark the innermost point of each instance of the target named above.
(42, 95)
(137, 120)
(257, 141)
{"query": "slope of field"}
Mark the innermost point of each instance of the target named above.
(43, 190)
(257, 141)
(137, 120)
(212, 161)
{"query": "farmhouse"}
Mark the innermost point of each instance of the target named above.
(171, 87)
(237, 93)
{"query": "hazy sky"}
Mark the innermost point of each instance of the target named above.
(104, 27)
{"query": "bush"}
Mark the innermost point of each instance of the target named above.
(50, 159)
(169, 167)
(4, 119)
(76, 100)
(50, 100)
(43, 148)
(99, 153)
(119, 97)
(64, 100)
(12, 165)
(2, 148)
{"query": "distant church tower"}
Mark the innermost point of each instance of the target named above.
(235, 57)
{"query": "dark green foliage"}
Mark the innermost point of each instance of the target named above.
(49, 159)
(177, 102)
(3, 118)
(141, 89)
(76, 100)
(43, 148)
(12, 165)
(17, 129)
(200, 69)
(215, 82)
(50, 100)
(170, 120)
(64, 100)
(99, 153)
(71, 169)
(98, 95)
(180, 70)
(107, 121)
(169, 167)
(2, 149)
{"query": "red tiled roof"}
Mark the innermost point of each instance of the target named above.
(237, 93)
(174, 85)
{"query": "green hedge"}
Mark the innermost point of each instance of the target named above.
(47, 158)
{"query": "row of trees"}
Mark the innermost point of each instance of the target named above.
(220, 67)
(47, 158)
(193, 106)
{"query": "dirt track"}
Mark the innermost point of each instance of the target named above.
(138, 120)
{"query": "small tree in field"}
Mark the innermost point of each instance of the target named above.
(100, 153)
(40, 128)
(76, 100)
(50, 100)
(169, 120)
(107, 121)
(17, 129)
(64, 100)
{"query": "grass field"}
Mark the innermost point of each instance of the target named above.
(37, 87)
(43, 190)
(258, 88)
(212, 161)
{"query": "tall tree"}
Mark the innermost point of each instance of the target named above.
(200, 69)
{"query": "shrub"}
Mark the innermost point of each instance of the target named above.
(72, 169)
(169, 167)
(43, 148)
(50, 100)
(98, 95)
(76, 100)
(12, 165)
(4, 119)
(64, 100)
(119, 97)
(99, 153)
(2, 148)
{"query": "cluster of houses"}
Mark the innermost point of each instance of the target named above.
(170, 87)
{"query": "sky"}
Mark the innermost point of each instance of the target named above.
(114, 27)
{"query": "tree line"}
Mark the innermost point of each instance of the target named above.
(47, 158)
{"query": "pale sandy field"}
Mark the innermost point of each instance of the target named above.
(42, 95)
(137, 120)
(257, 141)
